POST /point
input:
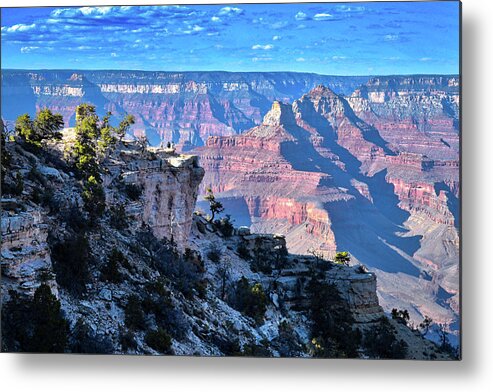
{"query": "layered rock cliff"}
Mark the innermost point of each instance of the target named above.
(169, 185)
(26, 260)
(376, 173)
(183, 107)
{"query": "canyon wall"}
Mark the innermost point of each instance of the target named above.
(364, 164)
(183, 107)
(373, 173)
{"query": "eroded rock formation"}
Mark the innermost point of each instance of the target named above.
(375, 173)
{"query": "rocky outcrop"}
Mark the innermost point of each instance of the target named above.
(255, 169)
(169, 184)
(26, 261)
(419, 114)
(330, 117)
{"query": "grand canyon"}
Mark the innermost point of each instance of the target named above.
(368, 165)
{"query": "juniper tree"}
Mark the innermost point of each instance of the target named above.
(215, 206)
(342, 258)
(45, 126)
(94, 138)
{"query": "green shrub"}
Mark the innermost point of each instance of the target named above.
(214, 252)
(254, 350)
(243, 251)
(111, 270)
(127, 340)
(34, 325)
(45, 126)
(380, 342)
(225, 226)
(71, 260)
(94, 198)
(118, 217)
(332, 330)
(4, 155)
(36, 195)
(48, 199)
(251, 300)
(159, 340)
(342, 258)
(401, 316)
(287, 341)
(133, 191)
(74, 219)
(216, 207)
(134, 313)
(18, 185)
(157, 301)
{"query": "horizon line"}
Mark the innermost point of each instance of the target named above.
(224, 71)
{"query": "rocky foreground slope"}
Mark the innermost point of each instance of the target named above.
(152, 277)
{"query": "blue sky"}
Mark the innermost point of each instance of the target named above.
(326, 38)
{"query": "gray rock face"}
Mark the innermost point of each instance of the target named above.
(25, 254)
(169, 185)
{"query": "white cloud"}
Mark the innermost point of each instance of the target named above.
(279, 25)
(27, 49)
(391, 37)
(322, 16)
(230, 11)
(216, 19)
(276, 38)
(194, 29)
(300, 59)
(263, 47)
(337, 58)
(255, 59)
(18, 28)
(113, 54)
(345, 8)
(425, 59)
(87, 11)
(301, 16)
(95, 10)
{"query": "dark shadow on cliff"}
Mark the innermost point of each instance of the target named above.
(367, 230)
(368, 237)
(453, 202)
(370, 133)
